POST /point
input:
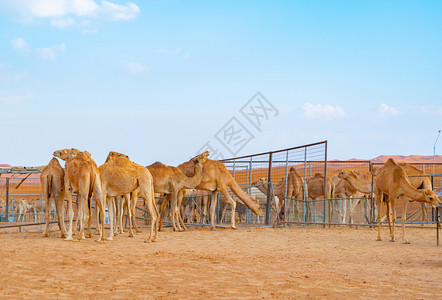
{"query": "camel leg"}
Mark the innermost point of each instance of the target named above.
(147, 193)
(213, 201)
(379, 202)
(71, 216)
(404, 220)
(424, 213)
(89, 212)
(175, 211)
(232, 203)
(393, 218)
(82, 207)
(60, 213)
(129, 214)
(110, 211)
(134, 199)
(179, 202)
(48, 208)
(389, 217)
(163, 209)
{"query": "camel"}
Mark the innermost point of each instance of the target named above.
(120, 176)
(315, 186)
(359, 181)
(392, 180)
(21, 207)
(171, 181)
(37, 208)
(343, 190)
(52, 182)
(216, 178)
(295, 191)
(419, 183)
(278, 190)
(82, 177)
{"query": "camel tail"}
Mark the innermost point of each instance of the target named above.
(243, 196)
(49, 185)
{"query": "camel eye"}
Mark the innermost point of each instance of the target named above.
(431, 198)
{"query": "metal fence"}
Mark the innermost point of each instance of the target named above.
(267, 178)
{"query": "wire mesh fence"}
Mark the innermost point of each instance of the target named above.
(288, 184)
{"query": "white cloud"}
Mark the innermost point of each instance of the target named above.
(62, 23)
(17, 98)
(20, 45)
(27, 10)
(133, 67)
(385, 110)
(176, 51)
(45, 53)
(327, 111)
(50, 52)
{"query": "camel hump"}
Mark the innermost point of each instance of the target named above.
(292, 169)
(390, 161)
(157, 164)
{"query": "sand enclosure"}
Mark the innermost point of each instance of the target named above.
(312, 263)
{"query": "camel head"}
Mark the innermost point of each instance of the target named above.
(113, 154)
(65, 154)
(432, 198)
(201, 159)
(346, 174)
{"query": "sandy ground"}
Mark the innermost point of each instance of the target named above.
(312, 263)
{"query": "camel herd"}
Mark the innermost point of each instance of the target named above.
(391, 182)
(119, 182)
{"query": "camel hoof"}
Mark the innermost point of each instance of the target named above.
(378, 239)
(393, 240)
(214, 229)
(107, 239)
(233, 227)
(89, 235)
(45, 234)
(100, 241)
(131, 235)
(148, 241)
(138, 231)
(63, 236)
(69, 238)
(406, 242)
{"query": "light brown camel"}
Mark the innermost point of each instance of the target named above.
(295, 191)
(419, 183)
(21, 207)
(344, 191)
(316, 189)
(52, 182)
(362, 183)
(120, 176)
(82, 177)
(392, 180)
(216, 178)
(278, 190)
(170, 180)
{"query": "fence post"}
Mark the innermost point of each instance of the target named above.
(7, 198)
(325, 186)
(269, 190)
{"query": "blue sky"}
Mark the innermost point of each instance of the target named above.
(158, 79)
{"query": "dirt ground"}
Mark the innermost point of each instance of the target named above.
(312, 263)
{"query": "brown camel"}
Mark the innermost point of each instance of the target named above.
(392, 180)
(120, 176)
(21, 207)
(82, 177)
(343, 190)
(52, 182)
(170, 180)
(316, 189)
(216, 177)
(419, 183)
(359, 181)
